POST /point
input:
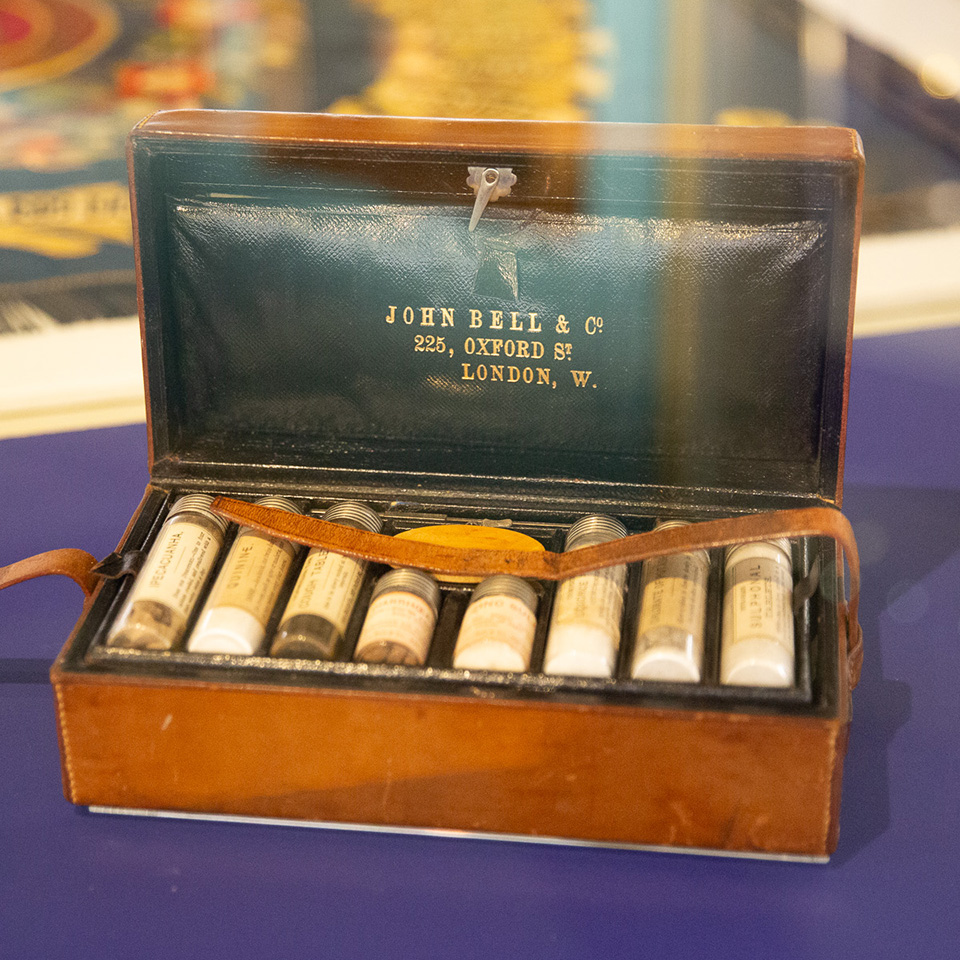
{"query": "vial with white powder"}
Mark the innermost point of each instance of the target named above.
(176, 570)
(584, 631)
(318, 612)
(673, 608)
(498, 628)
(757, 642)
(235, 616)
(400, 620)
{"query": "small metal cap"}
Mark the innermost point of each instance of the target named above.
(779, 543)
(405, 580)
(594, 529)
(670, 524)
(351, 513)
(278, 503)
(506, 585)
(198, 503)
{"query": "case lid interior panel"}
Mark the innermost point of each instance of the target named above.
(648, 312)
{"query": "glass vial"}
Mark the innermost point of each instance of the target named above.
(317, 614)
(756, 645)
(585, 627)
(399, 624)
(673, 609)
(235, 617)
(165, 591)
(498, 627)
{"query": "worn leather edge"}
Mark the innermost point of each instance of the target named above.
(546, 565)
(851, 309)
(813, 143)
(841, 740)
(149, 399)
(60, 677)
(68, 562)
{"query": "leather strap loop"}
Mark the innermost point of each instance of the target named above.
(76, 564)
(378, 548)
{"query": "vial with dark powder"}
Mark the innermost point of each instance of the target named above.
(318, 612)
(156, 613)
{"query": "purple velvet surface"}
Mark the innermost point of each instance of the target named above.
(74, 884)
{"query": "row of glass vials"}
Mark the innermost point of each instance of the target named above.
(498, 628)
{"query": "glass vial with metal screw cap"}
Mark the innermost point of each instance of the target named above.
(319, 609)
(165, 591)
(400, 620)
(757, 643)
(673, 608)
(235, 617)
(585, 627)
(499, 626)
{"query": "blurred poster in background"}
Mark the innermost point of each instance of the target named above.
(76, 75)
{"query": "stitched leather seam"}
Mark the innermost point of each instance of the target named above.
(67, 756)
(825, 820)
(832, 791)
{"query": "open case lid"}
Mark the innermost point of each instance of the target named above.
(651, 314)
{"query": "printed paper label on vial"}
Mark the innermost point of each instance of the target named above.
(506, 620)
(674, 595)
(594, 599)
(757, 602)
(399, 617)
(252, 576)
(177, 567)
(327, 587)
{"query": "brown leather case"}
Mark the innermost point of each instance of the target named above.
(273, 250)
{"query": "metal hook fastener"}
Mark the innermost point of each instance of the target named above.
(488, 183)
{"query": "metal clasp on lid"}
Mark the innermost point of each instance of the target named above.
(488, 183)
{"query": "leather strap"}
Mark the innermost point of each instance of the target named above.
(76, 564)
(378, 548)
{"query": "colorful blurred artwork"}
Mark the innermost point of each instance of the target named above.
(512, 59)
(75, 75)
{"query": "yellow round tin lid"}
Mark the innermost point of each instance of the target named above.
(470, 537)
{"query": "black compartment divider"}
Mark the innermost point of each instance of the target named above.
(713, 620)
(545, 609)
(453, 604)
(802, 629)
(629, 620)
(370, 578)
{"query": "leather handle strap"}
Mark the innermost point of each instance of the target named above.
(76, 564)
(537, 565)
